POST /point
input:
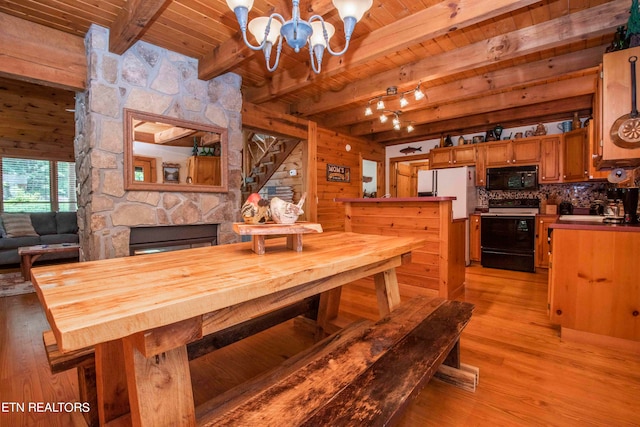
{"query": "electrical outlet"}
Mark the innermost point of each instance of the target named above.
(293, 172)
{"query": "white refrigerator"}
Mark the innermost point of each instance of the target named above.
(458, 182)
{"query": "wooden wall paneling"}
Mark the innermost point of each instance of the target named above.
(34, 121)
(332, 150)
(310, 182)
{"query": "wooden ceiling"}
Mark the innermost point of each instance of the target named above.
(479, 62)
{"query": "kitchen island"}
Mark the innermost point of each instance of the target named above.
(440, 263)
(593, 282)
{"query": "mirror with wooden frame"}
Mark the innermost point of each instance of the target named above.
(167, 154)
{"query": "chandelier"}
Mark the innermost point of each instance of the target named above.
(392, 92)
(296, 31)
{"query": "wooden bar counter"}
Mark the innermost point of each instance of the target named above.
(593, 282)
(140, 312)
(440, 263)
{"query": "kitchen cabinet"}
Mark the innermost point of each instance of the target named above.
(542, 241)
(204, 170)
(481, 166)
(464, 155)
(594, 135)
(498, 154)
(474, 237)
(525, 151)
(447, 157)
(593, 287)
(616, 99)
(512, 152)
(574, 159)
(550, 160)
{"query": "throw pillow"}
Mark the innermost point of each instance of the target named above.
(18, 225)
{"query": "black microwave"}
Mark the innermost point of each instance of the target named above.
(513, 178)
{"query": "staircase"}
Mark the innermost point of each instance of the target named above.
(265, 154)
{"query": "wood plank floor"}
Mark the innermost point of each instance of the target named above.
(528, 375)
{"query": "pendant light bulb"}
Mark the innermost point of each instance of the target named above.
(403, 101)
(368, 111)
(383, 118)
(380, 104)
(418, 94)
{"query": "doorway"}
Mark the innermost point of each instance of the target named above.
(371, 187)
(403, 179)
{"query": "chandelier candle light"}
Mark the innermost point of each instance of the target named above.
(297, 31)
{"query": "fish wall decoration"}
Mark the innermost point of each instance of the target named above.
(410, 150)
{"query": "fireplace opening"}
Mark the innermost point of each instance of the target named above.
(145, 240)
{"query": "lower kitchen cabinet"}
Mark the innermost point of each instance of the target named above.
(593, 284)
(542, 241)
(474, 237)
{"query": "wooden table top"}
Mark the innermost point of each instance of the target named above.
(97, 301)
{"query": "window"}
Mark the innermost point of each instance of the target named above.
(38, 185)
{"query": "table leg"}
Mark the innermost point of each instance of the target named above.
(159, 387)
(387, 291)
(26, 263)
(327, 311)
(294, 242)
(258, 244)
(111, 381)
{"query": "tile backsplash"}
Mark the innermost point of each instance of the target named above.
(580, 194)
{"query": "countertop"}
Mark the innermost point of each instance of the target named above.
(593, 226)
(394, 199)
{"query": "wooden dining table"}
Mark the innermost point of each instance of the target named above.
(140, 312)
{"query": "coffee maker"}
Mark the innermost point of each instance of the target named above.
(630, 203)
(613, 212)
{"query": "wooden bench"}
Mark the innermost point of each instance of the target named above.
(363, 375)
(366, 372)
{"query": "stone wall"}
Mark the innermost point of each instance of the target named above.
(152, 79)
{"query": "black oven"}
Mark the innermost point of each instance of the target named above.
(508, 241)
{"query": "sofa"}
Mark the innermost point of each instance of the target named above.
(41, 228)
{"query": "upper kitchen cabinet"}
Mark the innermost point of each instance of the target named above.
(550, 168)
(575, 150)
(620, 138)
(449, 157)
(512, 152)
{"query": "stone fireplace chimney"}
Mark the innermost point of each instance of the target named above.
(151, 79)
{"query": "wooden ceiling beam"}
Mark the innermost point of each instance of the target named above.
(234, 51)
(580, 26)
(132, 21)
(38, 54)
(584, 85)
(442, 18)
(492, 82)
(479, 123)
